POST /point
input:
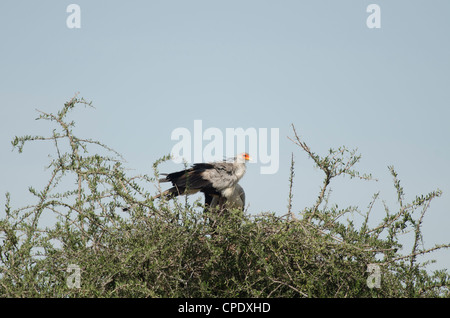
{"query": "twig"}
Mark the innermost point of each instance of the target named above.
(291, 195)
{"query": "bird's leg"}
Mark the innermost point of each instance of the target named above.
(222, 201)
(223, 206)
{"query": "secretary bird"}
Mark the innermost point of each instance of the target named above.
(218, 181)
(235, 201)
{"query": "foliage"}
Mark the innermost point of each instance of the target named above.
(164, 249)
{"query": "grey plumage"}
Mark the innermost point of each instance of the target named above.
(235, 201)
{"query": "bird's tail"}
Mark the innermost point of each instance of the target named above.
(168, 194)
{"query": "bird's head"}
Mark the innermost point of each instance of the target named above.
(243, 157)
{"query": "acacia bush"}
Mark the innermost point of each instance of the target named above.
(174, 249)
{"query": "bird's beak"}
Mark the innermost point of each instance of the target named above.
(247, 157)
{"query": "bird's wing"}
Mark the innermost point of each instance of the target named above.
(209, 178)
(221, 177)
(202, 166)
(192, 178)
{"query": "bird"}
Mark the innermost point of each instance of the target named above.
(214, 179)
(236, 201)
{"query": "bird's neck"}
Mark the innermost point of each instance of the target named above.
(239, 169)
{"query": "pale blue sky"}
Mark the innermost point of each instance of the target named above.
(152, 66)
